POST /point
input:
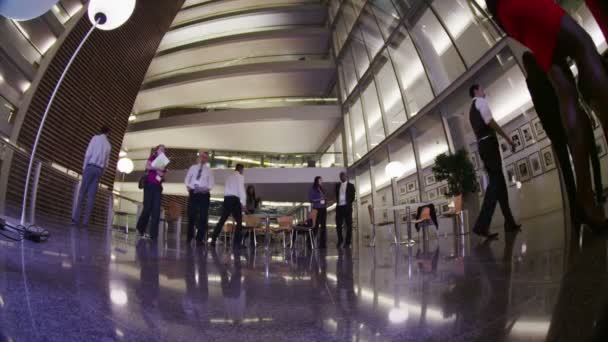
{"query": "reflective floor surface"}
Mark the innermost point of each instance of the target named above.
(100, 286)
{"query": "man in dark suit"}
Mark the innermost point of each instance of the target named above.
(345, 196)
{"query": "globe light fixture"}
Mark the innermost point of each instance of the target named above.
(110, 14)
(395, 169)
(105, 15)
(25, 9)
(125, 166)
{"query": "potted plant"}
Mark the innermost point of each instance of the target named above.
(459, 173)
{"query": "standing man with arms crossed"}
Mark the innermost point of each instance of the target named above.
(235, 200)
(345, 196)
(199, 182)
(485, 129)
(95, 162)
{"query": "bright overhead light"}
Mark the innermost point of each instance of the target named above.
(110, 14)
(132, 118)
(395, 169)
(122, 154)
(125, 165)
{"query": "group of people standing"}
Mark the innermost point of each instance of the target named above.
(553, 37)
(345, 197)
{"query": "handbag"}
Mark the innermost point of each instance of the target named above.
(143, 180)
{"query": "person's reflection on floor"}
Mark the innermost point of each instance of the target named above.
(197, 284)
(149, 286)
(480, 298)
(232, 289)
(345, 293)
(581, 311)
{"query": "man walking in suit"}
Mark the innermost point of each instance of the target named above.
(345, 196)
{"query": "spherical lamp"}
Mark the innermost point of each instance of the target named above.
(125, 166)
(395, 169)
(25, 9)
(110, 14)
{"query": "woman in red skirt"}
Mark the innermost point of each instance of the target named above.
(553, 36)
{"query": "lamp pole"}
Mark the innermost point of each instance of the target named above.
(105, 15)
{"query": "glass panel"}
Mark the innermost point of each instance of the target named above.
(402, 150)
(410, 71)
(348, 69)
(342, 33)
(439, 55)
(373, 114)
(371, 32)
(349, 139)
(359, 52)
(364, 184)
(465, 24)
(387, 15)
(431, 139)
(381, 177)
(391, 96)
(349, 16)
(358, 127)
(584, 17)
(338, 151)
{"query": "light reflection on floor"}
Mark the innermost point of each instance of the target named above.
(97, 285)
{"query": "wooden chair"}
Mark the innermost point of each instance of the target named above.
(228, 232)
(424, 221)
(250, 224)
(372, 220)
(285, 228)
(459, 215)
(304, 229)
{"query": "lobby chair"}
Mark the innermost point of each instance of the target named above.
(285, 228)
(372, 220)
(307, 230)
(459, 215)
(250, 224)
(424, 220)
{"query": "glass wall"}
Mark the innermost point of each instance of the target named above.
(390, 94)
(373, 115)
(360, 147)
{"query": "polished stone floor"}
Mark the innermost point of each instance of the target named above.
(538, 285)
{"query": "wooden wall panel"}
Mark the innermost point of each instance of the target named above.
(99, 89)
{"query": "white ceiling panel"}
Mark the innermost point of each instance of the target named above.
(272, 136)
(243, 23)
(291, 42)
(285, 79)
(229, 6)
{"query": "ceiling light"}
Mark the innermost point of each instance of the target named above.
(132, 118)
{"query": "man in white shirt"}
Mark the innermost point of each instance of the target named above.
(485, 129)
(234, 202)
(345, 196)
(95, 162)
(199, 182)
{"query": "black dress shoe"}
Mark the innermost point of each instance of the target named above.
(513, 228)
(486, 234)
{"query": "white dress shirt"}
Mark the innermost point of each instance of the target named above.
(484, 109)
(235, 186)
(342, 199)
(205, 182)
(98, 152)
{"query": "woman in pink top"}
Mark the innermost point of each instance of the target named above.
(153, 190)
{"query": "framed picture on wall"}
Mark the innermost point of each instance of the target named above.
(411, 186)
(402, 190)
(412, 200)
(432, 195)
(445, 208)
(601, 146)
(536, 164)
(539, 130)
(526, 132)
(429, 179)
(510, 173)
(443, 190)
(523, 170)
(474, 160)
(517, 139)
(548, 158)
(505, 149)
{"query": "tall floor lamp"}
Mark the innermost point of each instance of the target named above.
(104, 15)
